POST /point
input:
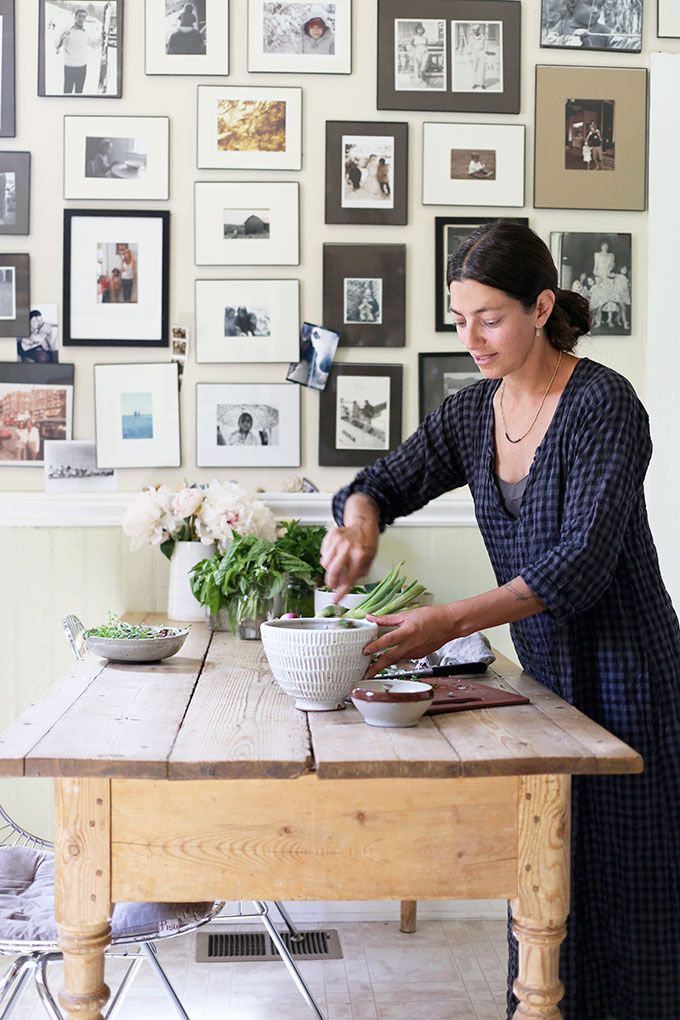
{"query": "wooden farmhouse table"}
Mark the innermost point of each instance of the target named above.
(197, 779)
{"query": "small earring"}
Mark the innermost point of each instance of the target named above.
(539, 330)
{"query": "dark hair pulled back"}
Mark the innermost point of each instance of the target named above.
(511, 257)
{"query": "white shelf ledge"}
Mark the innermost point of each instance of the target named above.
(94, 510)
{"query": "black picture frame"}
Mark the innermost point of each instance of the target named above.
(431, 371)
(18, 163)
(442, 252)
(384, 262)
(8, 82)
(397, 214)
(597, 276)
(69, 340)
(586, 36)
(18, 285)
(329, 454)
(42, 60)
(444, 99)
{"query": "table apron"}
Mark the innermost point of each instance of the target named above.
(310, 839)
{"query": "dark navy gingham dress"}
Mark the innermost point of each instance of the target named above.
(609, 643)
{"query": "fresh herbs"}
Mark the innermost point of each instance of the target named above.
(393, 594)
(117, 628)
(304, 541)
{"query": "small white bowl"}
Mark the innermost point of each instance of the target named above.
(392, 703)
(317, 661)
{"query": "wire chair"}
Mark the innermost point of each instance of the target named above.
(33, 958)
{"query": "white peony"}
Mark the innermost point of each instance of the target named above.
(187, 501)
(150, 520)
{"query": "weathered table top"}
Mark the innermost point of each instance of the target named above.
(214, 711)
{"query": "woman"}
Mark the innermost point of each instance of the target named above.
(419, 53)
(555, 451)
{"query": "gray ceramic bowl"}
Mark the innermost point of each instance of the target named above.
(138, 649)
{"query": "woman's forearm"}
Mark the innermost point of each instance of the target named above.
(359, 507)
(511, 602)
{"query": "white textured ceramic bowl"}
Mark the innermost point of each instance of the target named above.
(317, 662)
(391, 703)
(151, 649)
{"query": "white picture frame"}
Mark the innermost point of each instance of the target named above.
(127, 394)
(504, 189)
(71, 466)
(286, 53)
(247, 321)
(274, 411)
(158, 28)
(247, 223)
(117, 158)
(224, 113)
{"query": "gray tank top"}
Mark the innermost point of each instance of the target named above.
(512, 494)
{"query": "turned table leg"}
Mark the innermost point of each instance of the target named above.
(408, 916)
(539, 914)
(83, 892)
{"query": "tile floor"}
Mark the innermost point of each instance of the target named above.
(447, 970)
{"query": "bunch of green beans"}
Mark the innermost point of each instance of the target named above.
(393, 595)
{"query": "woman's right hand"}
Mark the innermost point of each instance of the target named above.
(347, 554)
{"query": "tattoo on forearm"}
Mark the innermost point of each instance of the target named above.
(520, 595)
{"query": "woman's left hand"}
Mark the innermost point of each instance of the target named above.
(418, 632)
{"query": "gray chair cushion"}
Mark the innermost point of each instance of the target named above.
(27, 903)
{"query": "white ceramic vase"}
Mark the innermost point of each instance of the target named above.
(181, 602)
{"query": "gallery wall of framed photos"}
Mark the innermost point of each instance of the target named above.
(258, 166)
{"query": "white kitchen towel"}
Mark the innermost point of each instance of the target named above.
(473, 648)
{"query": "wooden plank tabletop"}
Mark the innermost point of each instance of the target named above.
(215, 711)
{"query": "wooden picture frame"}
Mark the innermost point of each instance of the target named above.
(367, 172)
(373, 315)
(360, 414)
(443, 249)
(116, 278)
(7, 70)
(15, 193)
(449, 56)
(441, 373)
(576, 107)
(58, 72)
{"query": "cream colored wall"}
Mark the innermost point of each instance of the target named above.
(325, 97)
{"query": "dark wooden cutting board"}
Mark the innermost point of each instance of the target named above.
(453, 694)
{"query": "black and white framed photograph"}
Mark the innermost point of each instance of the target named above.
(247, 223)
(449, 233)
(40, 346)
(300, 37)
(7, 70)
(591, 25)
(116, 278)
(366, 172)
(186, 36)
(36, 405)
(599, 267)
(364, 293)
(473, 164)
(249, 128)
(136, 409)
(248, 321)
(667, 19)
(80, 48)
(315, 358)
(15, 302)
(449, 55)
(116, 158)
(15, 191)
(71, 466)
(440, 375)
(360, 414)
(590, 149)
(247, 425)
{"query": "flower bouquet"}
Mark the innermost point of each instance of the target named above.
(189, 525)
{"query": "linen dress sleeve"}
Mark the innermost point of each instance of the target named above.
(427, 464)
(603, 488)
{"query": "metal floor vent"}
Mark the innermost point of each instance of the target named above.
(250, 946)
